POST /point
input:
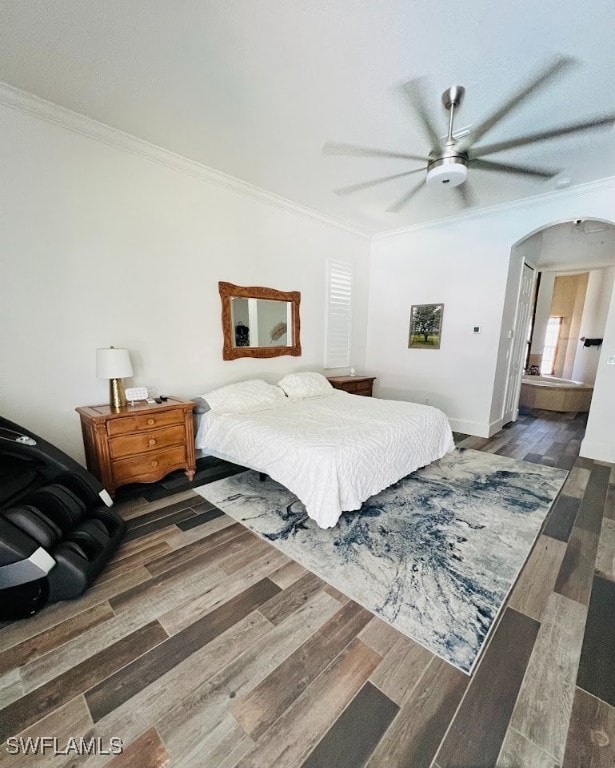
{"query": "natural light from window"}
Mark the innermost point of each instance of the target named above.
(547, 365)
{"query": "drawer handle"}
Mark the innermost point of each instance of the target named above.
(154, 463)
(151, 422)
(152, 441)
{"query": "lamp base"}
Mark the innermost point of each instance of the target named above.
(117, 396)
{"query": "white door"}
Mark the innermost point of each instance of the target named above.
(519, 345)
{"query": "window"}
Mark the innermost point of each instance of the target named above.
(339, 315)
(550, 348)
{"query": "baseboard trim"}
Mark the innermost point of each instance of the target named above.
(598, 451)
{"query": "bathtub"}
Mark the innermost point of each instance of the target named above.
(552, 394)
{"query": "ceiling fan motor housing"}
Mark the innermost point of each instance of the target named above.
(451, 171)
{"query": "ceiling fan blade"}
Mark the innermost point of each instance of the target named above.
(531, 138)
(413, 90)
(338, 148)
(526, 170)
(543, 77)
(464, 193)
(372, 182)
(397, 206)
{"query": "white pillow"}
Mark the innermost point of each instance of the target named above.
(305, 385)
(244, 396)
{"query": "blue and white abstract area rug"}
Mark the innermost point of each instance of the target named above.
(435, 555)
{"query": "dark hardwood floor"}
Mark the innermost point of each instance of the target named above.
(201, 645)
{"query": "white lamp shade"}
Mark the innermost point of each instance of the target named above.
(112, 363)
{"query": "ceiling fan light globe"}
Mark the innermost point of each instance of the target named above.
(450, 174)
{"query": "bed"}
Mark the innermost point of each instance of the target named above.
(333, 450)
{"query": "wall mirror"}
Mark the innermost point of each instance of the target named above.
(259, 322)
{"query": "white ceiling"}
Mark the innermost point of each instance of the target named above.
(254, 89)
(572, 246)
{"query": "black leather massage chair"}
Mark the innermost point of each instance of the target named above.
(57, 530)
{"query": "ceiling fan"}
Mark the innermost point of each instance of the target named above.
(449, 158)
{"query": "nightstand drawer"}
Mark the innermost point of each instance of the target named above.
(142, 442)
(139, 423)
(360, 388)
(152, 465)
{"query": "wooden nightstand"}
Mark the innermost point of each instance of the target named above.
(140, 443)
(356, 385)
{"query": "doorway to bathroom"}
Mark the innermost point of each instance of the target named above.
(562, 336)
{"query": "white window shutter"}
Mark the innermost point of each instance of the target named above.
(339, 315)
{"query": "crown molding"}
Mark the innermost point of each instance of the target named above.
(22, 101)
(514, 205)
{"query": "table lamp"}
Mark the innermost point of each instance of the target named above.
(114, 364)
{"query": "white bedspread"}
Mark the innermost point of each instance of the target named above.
(333, 452)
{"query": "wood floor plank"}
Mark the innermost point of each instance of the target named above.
(574, 579)
(59, 660)
(156, 512)
(267, 701)
(70, 720)
(288, 600)
(42, 701)
(380, 636)
(544, 703)
(140, 506)
(251, 550)
(415, 734)
(288, 574)
(147, 751)
(11, 687)
(313, 712)
(605, 558)
(163, 522)
(591, 736)
(593, 501)
(117, 688)
(187, 612)
(561, 517)
(199, 548)
(201, 517)
(477, 732)
(55, 636)
(152, 705)
(231, 757)
(339, 596)
(401, 669)
(354, 735)
(598, 654)
(18, 632)
(231, 745)
(537, 579)
(183, 582)
(128, 563)
(182, 725)
(129, 548)
(519, 752)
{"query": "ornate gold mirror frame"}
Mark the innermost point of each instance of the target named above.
(229, 291)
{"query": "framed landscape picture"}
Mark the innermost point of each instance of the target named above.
(425, 326)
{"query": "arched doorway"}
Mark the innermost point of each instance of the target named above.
(580, 254)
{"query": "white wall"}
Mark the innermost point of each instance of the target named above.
(102, 246)
(593, 321)
(425, 267)
(599, 441)
(464, 263)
